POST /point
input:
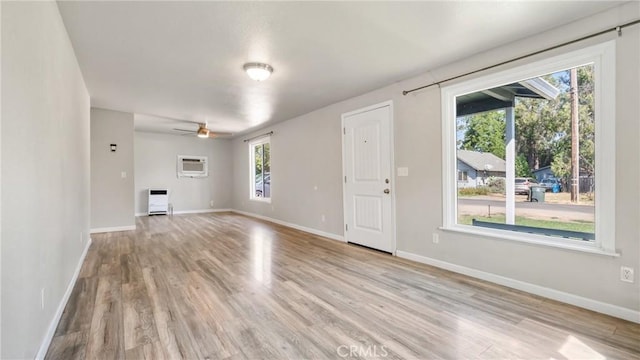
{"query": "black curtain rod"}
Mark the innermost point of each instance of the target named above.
(618, 29)
(257, 136)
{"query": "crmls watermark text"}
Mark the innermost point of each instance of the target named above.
(356, 351)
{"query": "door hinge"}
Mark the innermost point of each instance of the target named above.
(344, 131)
(346, 227)
(345, 179)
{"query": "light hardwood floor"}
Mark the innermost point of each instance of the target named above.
(226, 286)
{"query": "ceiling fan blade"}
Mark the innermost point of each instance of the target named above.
(213, 134)
(210, 133)
(190, 131)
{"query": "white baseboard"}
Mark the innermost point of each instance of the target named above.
(293, 226)
(590, 304)
(202, 211)
(44, 346)
(112, 229)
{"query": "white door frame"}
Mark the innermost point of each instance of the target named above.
(388, 103)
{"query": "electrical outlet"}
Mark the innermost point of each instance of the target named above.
(323, 218)
(626, 274)
(436, 238)
(42, 298)
(211, 203)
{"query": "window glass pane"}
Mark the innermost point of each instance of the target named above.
(258, 170)
(553, 143)
(267, 170)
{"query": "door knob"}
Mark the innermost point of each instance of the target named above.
(386, 191)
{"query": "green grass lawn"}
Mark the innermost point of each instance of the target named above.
(582, 226)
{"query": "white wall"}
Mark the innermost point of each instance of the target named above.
(112, 195)
(45, 168)
(306, 173)
(0, 181)
(155, 167)
(306, 153)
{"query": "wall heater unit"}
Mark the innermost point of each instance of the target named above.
(158, 201)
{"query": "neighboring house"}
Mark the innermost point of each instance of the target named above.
(475, 167)
(544, 172)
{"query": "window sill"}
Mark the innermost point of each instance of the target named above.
(263, 200)
(531, 239)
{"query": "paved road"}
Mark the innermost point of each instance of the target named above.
(536, 210)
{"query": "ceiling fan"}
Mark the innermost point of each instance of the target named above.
(203, 132)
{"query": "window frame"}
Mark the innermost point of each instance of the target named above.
(252, 174)
(603, 58)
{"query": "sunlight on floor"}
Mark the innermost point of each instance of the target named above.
(574, 349)
(261, 255)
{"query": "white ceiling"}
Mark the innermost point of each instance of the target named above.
(183, 60)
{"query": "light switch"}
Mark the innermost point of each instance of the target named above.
(123, 174)
(402, 171)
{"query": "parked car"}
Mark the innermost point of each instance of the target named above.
(523, 185)
(549, 183)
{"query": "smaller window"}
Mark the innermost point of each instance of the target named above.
(260, 171)
(463, 175)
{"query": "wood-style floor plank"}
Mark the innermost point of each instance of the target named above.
(69, 346)
(106, 337)
(226, 286)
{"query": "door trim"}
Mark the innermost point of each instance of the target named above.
(388, 103)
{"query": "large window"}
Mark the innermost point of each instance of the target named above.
(537, 146)
(260, 178)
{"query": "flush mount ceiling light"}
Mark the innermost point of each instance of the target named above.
(258, 71)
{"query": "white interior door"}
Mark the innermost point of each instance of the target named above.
(368, 198)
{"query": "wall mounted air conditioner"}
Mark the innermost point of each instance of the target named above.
(192, 166)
